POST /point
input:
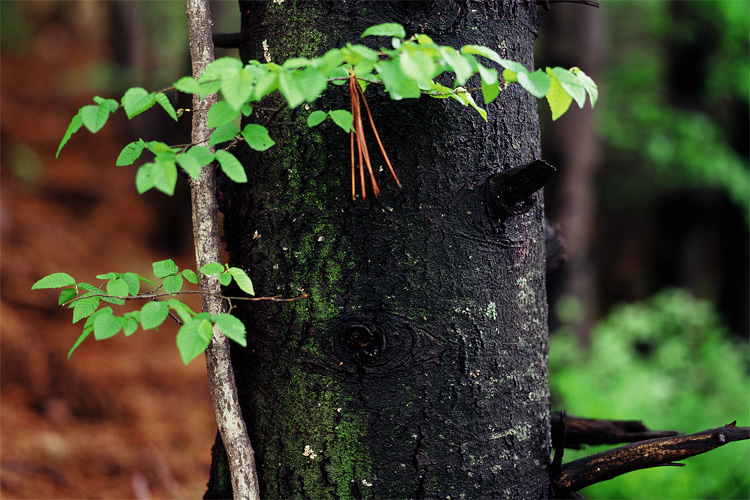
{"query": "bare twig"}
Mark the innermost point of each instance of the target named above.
(206, 235)
(641, 455)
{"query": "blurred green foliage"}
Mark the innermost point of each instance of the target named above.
(669, 362)
(676, 76)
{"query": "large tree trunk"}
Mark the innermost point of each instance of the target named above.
(418, 366)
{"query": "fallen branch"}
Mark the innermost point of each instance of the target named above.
(599, 467)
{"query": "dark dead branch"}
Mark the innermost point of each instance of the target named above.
(599, 467)
(593, 431)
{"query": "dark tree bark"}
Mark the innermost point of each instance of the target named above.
(418, 366)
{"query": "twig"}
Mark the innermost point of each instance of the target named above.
(577, 431)
(149, 295)
(599, 467)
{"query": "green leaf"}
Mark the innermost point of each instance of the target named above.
(130, 322)
(482, 51)
(158, 147)
(512, 66)
(143, 179)
(220, 113)
(106, 324)
(110, 104)
(163, 101)
(66, 295)
(194, 337)
(417, 65)
(246, 110)
(118, 287)
(75, 125)
(216, 69)
(212, 268)
(288, 86)
(490, 83)
(130, 153)
(265, 85)
(137, 100)
(190, 275)
(173, 284)
(145, 280)
(311, 82)
(189, 164)
(153, 314)
(94, 117)
(316, 118)
(182, 310)
(224, 133)
(396, 82)
(133, 281)
(572, 85)
(536, 83)
(559, 100)
(81, 338)
(231, 166)
(54, 280)
(164, 174)
(164, 268)
(84, 307)
(257, 138)
(461, 64)
(187, 84)
(242, 280)
(225, 278)
(342, 118)
(588, 84)
(231, 326)
(237, 87)
(340, 72)
(202, 154)
(385, 29)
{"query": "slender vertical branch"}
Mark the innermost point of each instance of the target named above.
(206, 235)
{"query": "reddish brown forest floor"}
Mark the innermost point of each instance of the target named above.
(124, 418)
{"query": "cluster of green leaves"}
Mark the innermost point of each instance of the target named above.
(669, 352)
(195, 333)
(406, 70)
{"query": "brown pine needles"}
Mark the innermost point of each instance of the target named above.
(358, 130)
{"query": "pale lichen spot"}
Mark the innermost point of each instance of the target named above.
(309, 452)
(491, 310)
(366, 482)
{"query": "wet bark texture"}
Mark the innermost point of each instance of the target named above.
(417, 367)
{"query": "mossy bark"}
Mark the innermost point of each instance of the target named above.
(417, 367)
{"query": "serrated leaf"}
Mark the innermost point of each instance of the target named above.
(232, 327)
(224, 133)
(164, 268)
(237, 87)
(187, 84)
(385, 29)
(194, 337)
(265, 85)
(256, 137)
(316, 118)
(106, 324)
(212, 268)
(242, 280)
(164, 175)
(75, 125)
(66, 295)
(190, 275)
(84, 307)
(536, 83)
(217, 68)
(88, 287)
(163, 101)
(145, 280)
(130, 153)
(190, 165)
(118, 287)
(513, 66)
(54, 280)
(153, 314)
(231, 166)
(482, 51)
(417, 65)
(396, 82)
(182, 310)
(137, 100)
(246, 110)
(559, 100)
(571, 84)
(110, 104)
(143, 179)
(588, 84)
(108, 276)
(220, 113)
(94, 117)
(173, 284)
(342, 118)
(288, 86)
(340, 72)
(202, 154)
(460, 63)
(86, 332)
(133, 282)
